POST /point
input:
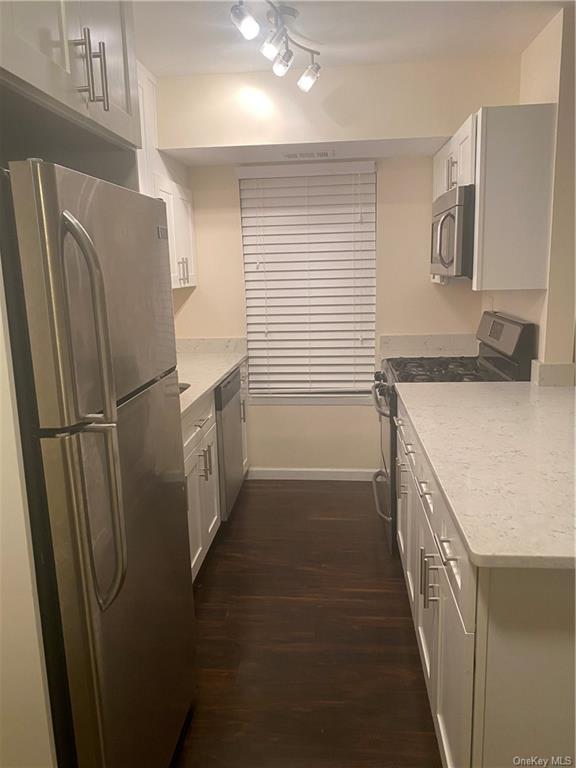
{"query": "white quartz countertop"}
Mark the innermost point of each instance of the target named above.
(503, 454)
(205, 364)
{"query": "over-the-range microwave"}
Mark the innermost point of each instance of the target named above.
(452, 246)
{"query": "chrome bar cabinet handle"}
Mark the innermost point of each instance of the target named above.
(243, 410)
(101, 56)
(442, 546)
(426, 587)
(210, 467)
(205, 472)
(86, 43)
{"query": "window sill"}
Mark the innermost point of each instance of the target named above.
(310, 400)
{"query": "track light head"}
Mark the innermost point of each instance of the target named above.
(283, 62)
(271, 46)
(309, 77)
(246, 23)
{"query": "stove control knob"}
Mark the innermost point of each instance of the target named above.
(379, 376)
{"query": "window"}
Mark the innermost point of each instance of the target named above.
(310, 270)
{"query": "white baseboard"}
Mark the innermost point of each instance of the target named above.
(308, 473)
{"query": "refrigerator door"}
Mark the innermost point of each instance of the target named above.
(129, 662)
(94, 262)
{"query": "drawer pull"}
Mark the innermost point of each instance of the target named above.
(422, 489)
(398, 422)
(205, 471)
(442, 546)
(408, 448)
(426, 582)
(200, 424)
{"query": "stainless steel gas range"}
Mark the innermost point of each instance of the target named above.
(507, 347)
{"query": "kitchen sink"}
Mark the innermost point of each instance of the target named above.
(183, 386)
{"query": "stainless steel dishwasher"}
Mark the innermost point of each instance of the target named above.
(229, 421)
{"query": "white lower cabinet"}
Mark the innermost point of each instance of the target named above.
(201, 470)
(455, 679)
(497, 644)
(243, 407)
(209, 489)
(194, 476)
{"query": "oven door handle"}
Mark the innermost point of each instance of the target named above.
(375, 479)
(376, 399)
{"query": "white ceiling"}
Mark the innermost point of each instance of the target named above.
(188, 37)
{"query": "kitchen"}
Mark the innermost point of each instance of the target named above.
(212, 358)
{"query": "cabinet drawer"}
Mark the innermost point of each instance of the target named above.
(459, 570)
(197, 421)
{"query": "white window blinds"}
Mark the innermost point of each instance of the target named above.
(310, 270)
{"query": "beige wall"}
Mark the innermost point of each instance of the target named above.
(407, 302)
(547, 75)
(216, 308)
(393, 100)
(344, 436)
(25, 723)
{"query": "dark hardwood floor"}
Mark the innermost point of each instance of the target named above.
(307, 656)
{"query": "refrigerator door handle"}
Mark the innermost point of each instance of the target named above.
(71, 226)
(110, 433)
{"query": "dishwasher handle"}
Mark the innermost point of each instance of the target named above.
(226, 391)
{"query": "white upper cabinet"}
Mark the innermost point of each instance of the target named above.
(508, 154)
(454, 164)
(513, 196)
(37, 47)
(157, 178)
(114, 64)
(77, 58)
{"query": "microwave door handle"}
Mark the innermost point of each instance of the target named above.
(441, 223)
(71, 226)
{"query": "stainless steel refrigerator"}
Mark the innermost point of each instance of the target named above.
(98, 308)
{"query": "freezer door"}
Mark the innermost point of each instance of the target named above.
(130, 662)
(94, 262)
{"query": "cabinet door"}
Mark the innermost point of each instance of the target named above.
(243, 406)
(196, 469)
(184, 235)
(463, 153)
(36, 46)
(110, 25)
(439, 172)
(427, 592)
(147, 107)
(455, 670)
(210, 489)
(164, 189)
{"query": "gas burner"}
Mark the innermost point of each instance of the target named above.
(431, 369)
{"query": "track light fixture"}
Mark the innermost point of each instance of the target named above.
(246, 23)
(309, 76)
(276, 46)
(283, 61)
(271, 46)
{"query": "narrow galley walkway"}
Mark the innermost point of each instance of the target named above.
(306, 654)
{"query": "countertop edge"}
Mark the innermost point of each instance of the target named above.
(185, 406)
(483, 559)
